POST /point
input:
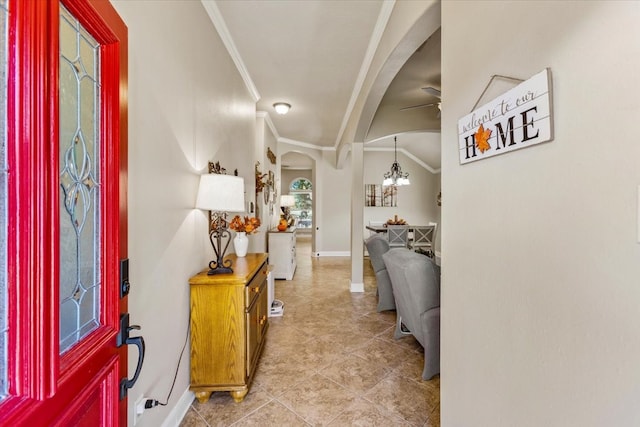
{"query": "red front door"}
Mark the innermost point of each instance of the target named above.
(66, 213)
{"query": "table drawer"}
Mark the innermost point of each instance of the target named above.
(255, 286)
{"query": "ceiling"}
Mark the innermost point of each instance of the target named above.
(310, 54)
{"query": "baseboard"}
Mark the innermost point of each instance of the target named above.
(180, 410)
(348, 253)
(333, 253)
(357, 287)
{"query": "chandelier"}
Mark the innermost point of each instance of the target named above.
(395, 175)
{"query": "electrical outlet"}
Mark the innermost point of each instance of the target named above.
(139, 409)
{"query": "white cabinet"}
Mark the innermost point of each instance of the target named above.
(282, 253)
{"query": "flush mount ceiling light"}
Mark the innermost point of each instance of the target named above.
(395, 175)
(282, 107)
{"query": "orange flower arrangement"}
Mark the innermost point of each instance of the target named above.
(247, 225)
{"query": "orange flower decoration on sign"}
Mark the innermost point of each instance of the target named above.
(248, 225)
(482, 139)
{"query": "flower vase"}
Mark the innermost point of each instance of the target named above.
(241, 243)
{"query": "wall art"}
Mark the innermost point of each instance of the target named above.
(377, 195)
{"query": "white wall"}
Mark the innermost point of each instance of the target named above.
(268, 217)
(540, 263)
(187, 105)
(273, 215)
(334, 215)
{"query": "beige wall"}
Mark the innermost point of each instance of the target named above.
(269, 217)
(540, 259)
(187, 105)
(334, 214)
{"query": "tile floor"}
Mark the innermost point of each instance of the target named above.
(330, 360)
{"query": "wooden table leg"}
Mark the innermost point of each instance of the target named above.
(203, 396)
(238, 396)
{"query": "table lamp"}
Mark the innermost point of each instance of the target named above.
(220, 194)
(286, 202)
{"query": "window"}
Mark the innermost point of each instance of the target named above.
(301, 189)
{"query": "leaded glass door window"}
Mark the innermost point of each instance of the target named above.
(79, 181)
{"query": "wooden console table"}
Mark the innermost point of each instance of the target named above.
(229, 322)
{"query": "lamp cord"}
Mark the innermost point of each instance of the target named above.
(150, 403)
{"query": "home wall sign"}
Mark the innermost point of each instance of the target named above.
(519, 118)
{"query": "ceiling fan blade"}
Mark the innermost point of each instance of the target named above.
(432, 91)
(420, 106)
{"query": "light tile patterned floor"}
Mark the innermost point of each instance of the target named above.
(331, 360)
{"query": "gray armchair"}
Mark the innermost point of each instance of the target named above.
(415, 280)
(377, 245)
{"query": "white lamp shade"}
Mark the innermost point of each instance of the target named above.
(287, 200)
(223, 193)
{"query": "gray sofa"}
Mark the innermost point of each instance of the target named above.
(415, 280)
(377, 245)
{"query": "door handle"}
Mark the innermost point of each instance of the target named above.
(125, 339)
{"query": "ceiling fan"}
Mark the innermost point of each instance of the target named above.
(433, 92)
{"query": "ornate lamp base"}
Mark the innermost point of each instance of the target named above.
(220, 265)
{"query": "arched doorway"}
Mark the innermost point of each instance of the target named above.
(297, 177)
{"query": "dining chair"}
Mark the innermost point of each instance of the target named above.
(398, 236)
(424, 239)
(375, 224)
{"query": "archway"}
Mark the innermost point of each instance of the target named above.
(301, 167)
(416, 35)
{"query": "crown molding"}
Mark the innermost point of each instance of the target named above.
(406, 153)
(418, 161)
(218, 22)
(267, 118)
(305, 144)
(386, 149)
